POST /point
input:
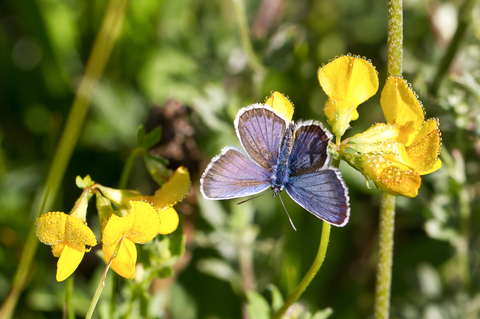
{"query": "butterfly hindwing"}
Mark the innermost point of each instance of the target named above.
(322, 193)
(231, 174)
(260, 131)
(309, 151)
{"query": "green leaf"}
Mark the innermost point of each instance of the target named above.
(304, 315)
(220, 269)
(213, 212)
(277, 298)
(152, 138)
(323, 314)
(83, 182)
(217, 268)
(157, 168)
(166, 272)
(140, 135)
(257, 306)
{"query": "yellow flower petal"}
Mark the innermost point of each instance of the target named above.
(116, 228)
(69, 260)
(58, 248)
(402, 108)
(281, 105)
(379, 138)
(424, 150)
(124, 262)
(50, 227)
(392, 177)
(348, 81)
(435, 167)
(55, 227)
(172, 191)
(168, 221)
(79, 235)
(146, 223)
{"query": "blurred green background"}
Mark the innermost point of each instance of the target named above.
(181, 65)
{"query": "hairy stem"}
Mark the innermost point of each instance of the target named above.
(395, 37)
(387, 206)
(385, 254)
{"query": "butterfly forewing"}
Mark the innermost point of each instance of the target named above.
(322, 193)
(309, 152)
(232, 175)
(260, 131)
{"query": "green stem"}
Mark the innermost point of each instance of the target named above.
(317, 263)
(101, 284)
(387, 206)
(113, 296)
(385, 254)
(395, 37)
(128, 167)
(464, 18)
(99, 56)
(68, 307)
(253, 62)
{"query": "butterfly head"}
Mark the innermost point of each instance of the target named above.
(276, 190)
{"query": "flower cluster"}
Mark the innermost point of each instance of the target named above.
(393, 154)
(126, 218)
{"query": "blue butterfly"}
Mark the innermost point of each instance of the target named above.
(281, 155)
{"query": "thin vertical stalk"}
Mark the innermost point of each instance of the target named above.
(317, 263)
(127, 168)
(385, 254)
(68, 310)
(99, 56)
(395, 37)
(387, 206)
(101, 284)
(253, 62)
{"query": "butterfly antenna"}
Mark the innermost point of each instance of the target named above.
(291, 222)
(254, 197)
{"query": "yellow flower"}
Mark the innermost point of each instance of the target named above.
(168, 221)
(377, 154)
(171, 192)
(69, 237)
(281, 105)
(421, 138)
(141, 225)
(348, 81)
(394, 155)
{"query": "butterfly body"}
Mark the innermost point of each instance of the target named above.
(280, 155)
(281, 170)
